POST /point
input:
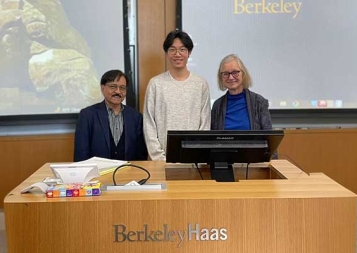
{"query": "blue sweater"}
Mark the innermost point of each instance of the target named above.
(237, 117)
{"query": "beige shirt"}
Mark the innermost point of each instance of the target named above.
(174, 105)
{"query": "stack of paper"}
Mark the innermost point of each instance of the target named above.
(104, 165)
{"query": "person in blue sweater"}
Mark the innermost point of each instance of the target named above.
(239, 108)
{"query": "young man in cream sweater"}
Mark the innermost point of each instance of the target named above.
(175, 100)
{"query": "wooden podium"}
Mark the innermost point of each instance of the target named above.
(279, 209)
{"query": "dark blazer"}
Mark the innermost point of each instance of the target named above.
(258, 112)
(92, 137)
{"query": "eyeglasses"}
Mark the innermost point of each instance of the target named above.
(114, 87)
(234, 73)
(173, 50)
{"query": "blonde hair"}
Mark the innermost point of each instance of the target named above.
(246, 80)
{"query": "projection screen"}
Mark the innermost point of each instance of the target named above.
(53, 53)
(300, 54)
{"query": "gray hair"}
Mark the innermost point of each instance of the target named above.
(247, 81)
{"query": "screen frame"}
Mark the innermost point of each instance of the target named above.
(260, 147)
(131, 97)
(175, 138)
(328, 112)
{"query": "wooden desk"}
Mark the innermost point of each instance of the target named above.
(301, 213)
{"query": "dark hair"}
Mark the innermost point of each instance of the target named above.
(177, 34)
(112, 75)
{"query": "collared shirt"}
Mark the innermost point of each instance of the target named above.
(116, 123)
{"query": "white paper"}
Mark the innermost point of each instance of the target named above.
(40, 185)
(133, 183)
(103, 163)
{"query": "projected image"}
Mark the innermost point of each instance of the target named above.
(46, 57)
(300, 54)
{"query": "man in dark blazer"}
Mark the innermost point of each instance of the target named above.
(110, 129)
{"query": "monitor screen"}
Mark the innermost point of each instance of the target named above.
(221, 149)
(53, 53)
(295, 56)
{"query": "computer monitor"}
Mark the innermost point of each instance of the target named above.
(221, 149)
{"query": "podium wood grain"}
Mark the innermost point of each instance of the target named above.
(301, 213)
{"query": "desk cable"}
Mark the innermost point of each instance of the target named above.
(196, 164)
(246, 171)
(141, 181)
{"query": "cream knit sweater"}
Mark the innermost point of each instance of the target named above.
(174, 105)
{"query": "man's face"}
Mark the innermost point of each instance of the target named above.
(114, 92)
(177, 55)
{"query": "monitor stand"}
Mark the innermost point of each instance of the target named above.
(222, 171)
(220, 166)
